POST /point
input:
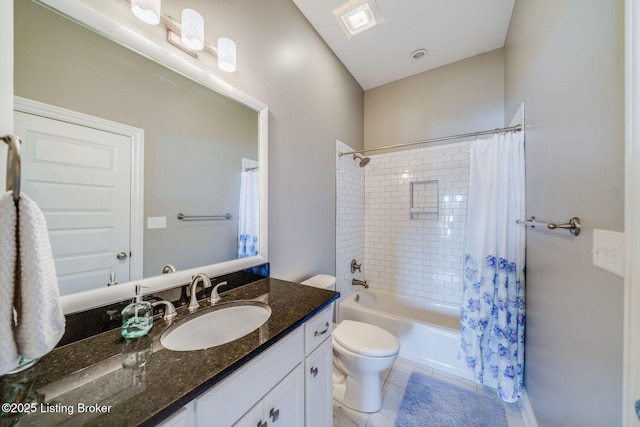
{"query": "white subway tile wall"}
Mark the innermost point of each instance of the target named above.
(349, 219)
(422, 257)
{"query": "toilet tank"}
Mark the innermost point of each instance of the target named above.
(323, 281)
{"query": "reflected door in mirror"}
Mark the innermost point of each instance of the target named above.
(74, 173)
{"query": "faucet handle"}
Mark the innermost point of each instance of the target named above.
(112, 279)
(215, 297)
(169, 310)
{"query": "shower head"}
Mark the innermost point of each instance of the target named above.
(364, 161)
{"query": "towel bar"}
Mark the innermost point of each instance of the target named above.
(183, 217)
(573, 225)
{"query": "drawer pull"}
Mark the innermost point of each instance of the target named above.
(318, 333)
(262, 424)
(274, 414)
(314, 372)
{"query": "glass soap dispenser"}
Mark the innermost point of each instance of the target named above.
(137, 317)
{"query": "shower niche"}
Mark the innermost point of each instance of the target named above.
(423, 200)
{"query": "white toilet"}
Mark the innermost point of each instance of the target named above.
(360, 353)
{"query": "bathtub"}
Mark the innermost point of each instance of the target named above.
(429, 331)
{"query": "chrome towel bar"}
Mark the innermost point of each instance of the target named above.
(573, 225)
(183, 217)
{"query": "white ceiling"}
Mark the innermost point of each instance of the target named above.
(450, 30)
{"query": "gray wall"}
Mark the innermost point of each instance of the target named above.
(195, 139)
(565, 60)
(462, 97)
(313, 100)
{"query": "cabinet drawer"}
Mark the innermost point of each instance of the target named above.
(318, 329)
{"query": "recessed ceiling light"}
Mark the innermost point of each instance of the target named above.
(419, 53)
(355, 16)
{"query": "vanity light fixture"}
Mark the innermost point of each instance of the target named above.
(355, 16)
(188, 35)
(148, 11)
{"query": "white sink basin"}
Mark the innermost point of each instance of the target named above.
(217, 325)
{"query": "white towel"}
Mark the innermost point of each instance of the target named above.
(8, 252)
(41, 320)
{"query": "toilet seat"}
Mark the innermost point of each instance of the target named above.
(365, 339)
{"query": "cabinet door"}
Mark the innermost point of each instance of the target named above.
(284, 405)
(318, 386)
(254, 418)
(226, 402)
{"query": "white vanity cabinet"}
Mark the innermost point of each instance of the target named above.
(227, 402)
(182, 418)
(289, 385)
(318, 364)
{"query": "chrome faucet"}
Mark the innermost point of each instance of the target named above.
(168, 269)
(206, 283)
(356, 282)
(214, 293)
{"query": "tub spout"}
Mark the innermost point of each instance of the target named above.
(356, 282)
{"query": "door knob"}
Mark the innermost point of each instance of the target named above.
(121, 255)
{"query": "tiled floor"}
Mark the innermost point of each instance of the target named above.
(395, 382)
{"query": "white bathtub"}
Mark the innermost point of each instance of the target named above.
(428, 331)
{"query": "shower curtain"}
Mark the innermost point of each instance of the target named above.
(248, 217)
(493, 305)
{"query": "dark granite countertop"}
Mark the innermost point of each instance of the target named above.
(87, 383)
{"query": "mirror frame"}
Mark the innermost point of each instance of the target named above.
(120, 26)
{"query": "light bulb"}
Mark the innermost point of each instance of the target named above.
(192, 29)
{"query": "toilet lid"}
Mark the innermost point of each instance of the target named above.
(365, 339)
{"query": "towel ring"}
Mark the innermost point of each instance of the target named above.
(13, 164)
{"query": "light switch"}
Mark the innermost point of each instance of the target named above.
(608, 251)
(156, 222)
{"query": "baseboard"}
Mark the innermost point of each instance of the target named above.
(528, 417)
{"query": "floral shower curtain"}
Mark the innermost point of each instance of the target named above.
(493, 303)
(248, 218)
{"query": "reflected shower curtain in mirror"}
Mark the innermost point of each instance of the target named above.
(248, 217)
(493, 304)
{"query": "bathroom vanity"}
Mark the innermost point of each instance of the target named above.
(280, 374)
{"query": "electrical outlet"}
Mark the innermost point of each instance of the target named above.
(156, 222)
(608, 251)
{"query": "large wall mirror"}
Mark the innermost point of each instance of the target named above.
(202, 151)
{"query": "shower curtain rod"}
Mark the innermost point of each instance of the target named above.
(516, 128)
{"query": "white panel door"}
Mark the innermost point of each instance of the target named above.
(80, 178)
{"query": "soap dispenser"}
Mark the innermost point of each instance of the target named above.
(137, 317)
